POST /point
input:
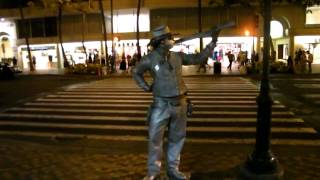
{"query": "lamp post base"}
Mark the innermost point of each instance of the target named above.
(262, 166)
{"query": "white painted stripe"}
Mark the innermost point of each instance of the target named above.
(312, 95)
(293, 142)
(130, 118)
(193, 88)
(94, 100)
(99, 105)
(144, 97)
(198, 81)
(231, 83)
(309, 86)
(124, 111)
(299, 79)
(140, 90)
(136, 128)
(146, 101)
(148, 94)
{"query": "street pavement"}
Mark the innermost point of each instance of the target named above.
(215, 156)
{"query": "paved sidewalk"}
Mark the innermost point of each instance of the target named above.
(90, 159)
(96, 159)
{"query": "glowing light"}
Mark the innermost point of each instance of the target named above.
(115, 39)
(246, 32)
(276, 30)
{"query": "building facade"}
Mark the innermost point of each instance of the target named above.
(81, 22)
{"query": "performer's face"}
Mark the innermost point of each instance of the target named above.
(169, 42)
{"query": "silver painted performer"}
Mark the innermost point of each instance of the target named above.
(169, 107)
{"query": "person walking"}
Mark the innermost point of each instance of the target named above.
(129, 60)
(290, 65)
(309, 61)
(231, 59)
(203, 66)
(123, 64)
(169, 107)
(303, 61)
(34, 62)
(14, 61)
(112, 59)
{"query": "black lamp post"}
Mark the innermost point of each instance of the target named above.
(262, 164)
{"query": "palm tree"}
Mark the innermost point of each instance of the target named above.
(104, 32)
(82, 34)
(26, 33)
(112, 45)
(60, 5)
(200, 22)
(138, 31)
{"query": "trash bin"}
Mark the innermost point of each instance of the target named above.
(6, 72)
(217, 67)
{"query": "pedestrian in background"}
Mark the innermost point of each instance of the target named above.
(129, 60)
(303, 61)
(34, 62)
(123, 63)
(14, 61)
(203, 66)
(309, 61)
(231, 59)
(290, 65)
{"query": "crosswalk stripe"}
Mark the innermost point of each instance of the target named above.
(100, 105)
(138, 128)
(309, 86)
(312, 95)
(145, 101)
(145, 97)
(124, 138)
(105, 111)
(128, 118)
(225, 111)
(300, 79)
(148, 94)
(134, 90)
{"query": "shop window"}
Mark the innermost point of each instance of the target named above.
(37, 29)
(20, 31)
(313, 15)
(22, 28)
(125, 20)
(50, 26)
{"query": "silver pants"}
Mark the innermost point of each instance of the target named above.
(163, 113)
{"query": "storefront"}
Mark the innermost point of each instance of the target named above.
(44, 55)
(76, 55)
(309, 43)
(7, 40)
(224, 45)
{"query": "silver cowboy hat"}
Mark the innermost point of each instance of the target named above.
(161, 32)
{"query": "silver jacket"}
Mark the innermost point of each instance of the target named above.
(166, 71)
